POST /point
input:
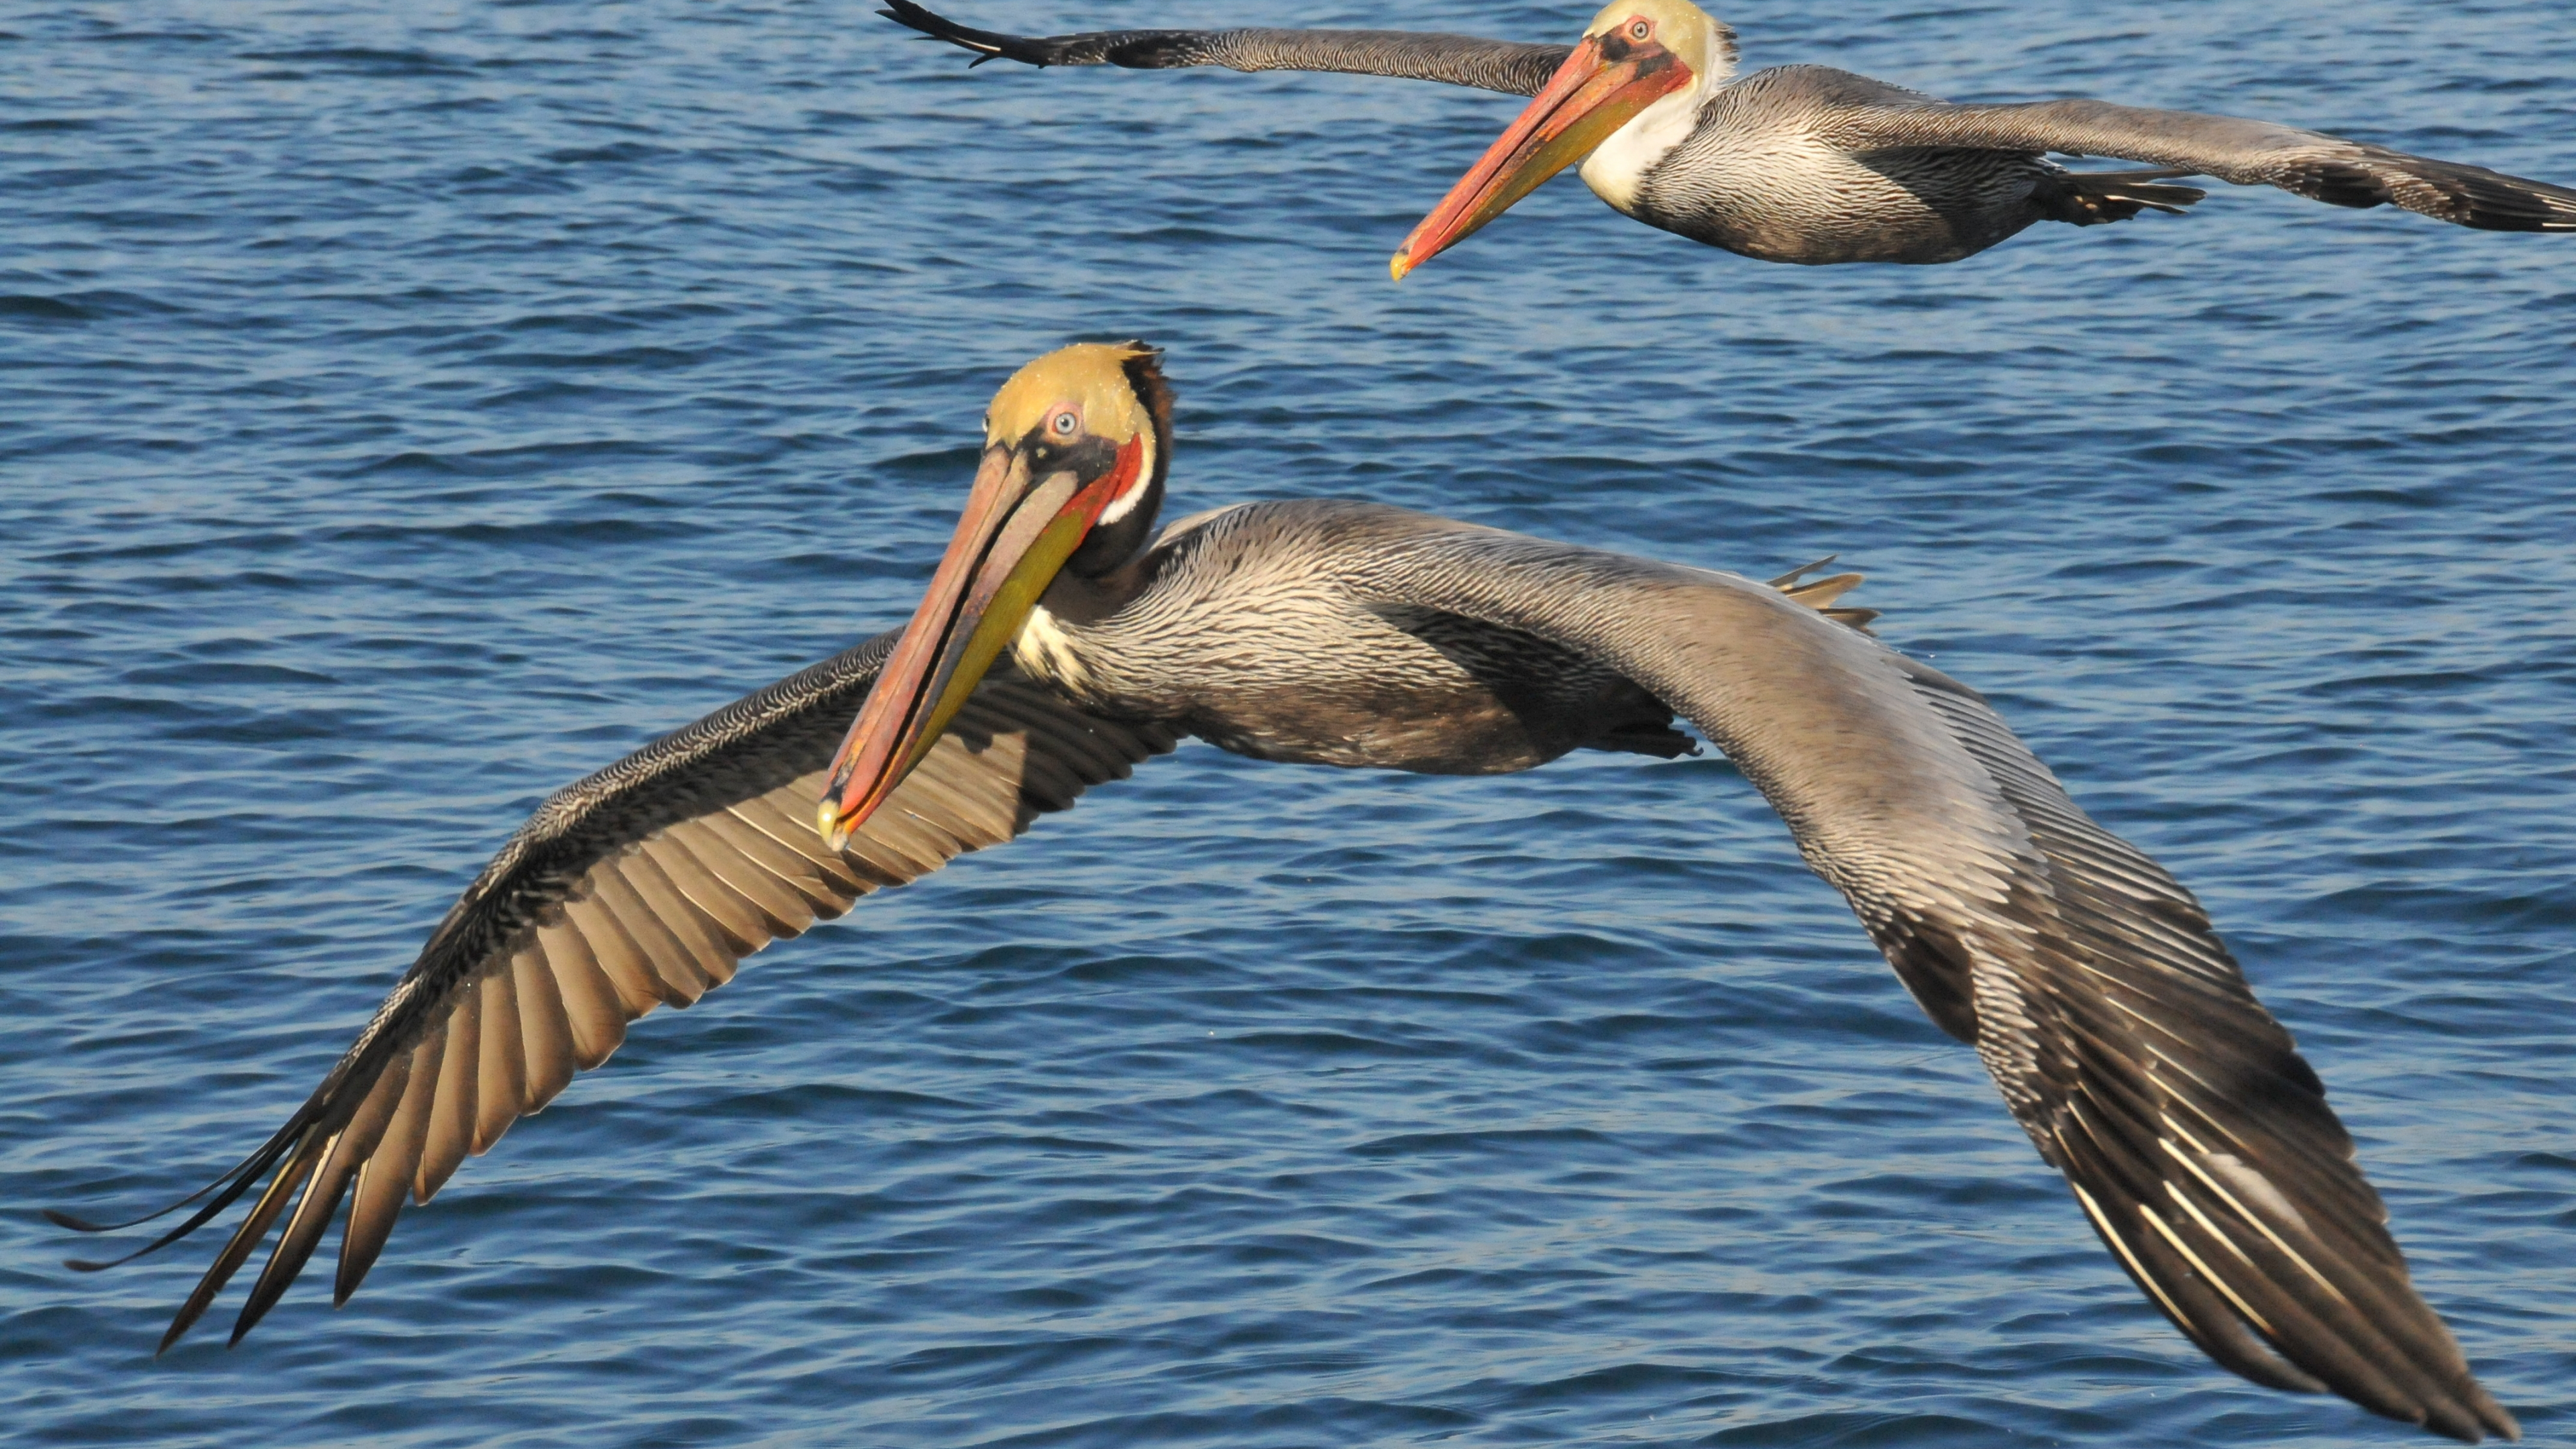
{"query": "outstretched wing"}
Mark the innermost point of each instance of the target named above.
(1458, 60)
(643, 885)
(2248, 153)
(2124, 1037)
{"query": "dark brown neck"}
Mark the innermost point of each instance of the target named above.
(1089, 598)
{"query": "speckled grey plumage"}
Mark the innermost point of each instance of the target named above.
(1228, 629)
(1764, 176)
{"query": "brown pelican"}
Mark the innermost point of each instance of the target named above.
(1063, 640)
(1800, 163)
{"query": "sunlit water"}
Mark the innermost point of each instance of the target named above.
(408, 408)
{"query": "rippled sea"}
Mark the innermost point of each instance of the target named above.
(404, 409)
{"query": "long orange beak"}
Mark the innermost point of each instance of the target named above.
(1016, 534)
(1590, 96)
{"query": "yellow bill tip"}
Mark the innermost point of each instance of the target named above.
(1399, 264)
(827, 823)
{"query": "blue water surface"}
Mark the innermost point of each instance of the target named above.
(407, 408)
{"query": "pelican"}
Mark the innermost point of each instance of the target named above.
(1800, 163)
(1064, 639)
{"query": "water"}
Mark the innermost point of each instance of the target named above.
(410, 408)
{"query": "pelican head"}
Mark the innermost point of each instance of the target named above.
(1075, 449)
(1641, 68)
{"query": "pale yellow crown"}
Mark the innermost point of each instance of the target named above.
(1088, 378)
(1707, 46)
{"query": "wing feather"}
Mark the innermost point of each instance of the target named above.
(906, 846)
(663, 955)
(976, 817)
(592, 1007)
(237, 1250)
(736, 919)
(619, 959)
(501, 1075)
(731, 850)
(550, 1054)
(384, 1179)
(642, 885)
(823, 874)
(774, 861)
(1047, 781)
(710, 951)
(304, 1228)
(2122, 1033)
(450, 1131)
(1464, 60)
(2247, 153)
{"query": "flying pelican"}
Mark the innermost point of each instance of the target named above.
(1063, 640)
(1800, 163)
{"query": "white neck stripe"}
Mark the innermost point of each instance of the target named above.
(1125, 503)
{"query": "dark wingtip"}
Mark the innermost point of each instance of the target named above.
(264, 1296)
(934, 26)
(906, 13)
(62, 1219)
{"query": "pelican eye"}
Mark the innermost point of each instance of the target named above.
(1639, 30)
(1063, 424)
